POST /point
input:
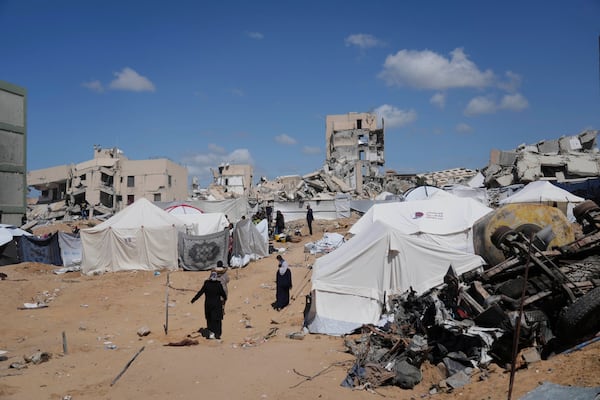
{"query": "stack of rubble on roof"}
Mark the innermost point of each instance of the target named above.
(568, 157)
(448, 176)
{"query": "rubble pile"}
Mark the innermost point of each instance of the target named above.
(563, 159)
(548, 298)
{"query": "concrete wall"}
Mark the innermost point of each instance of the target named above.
(13, 150)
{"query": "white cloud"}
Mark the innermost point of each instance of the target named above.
(394, 117)
(480, 105)
(255, 35)
(285, 139)
(428, 70)
(237, 92)
(487, 105)
(311, 150)
(128, 79)
(514, 102)
(438, 99)
(463, 128)
(200, 164)
(216, 148)
(512, 82)
(362, 40)
(94, 86)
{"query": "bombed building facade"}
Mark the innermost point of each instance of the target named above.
(354, 148)
(110, 181)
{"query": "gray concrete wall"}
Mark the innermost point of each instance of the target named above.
(13, 150)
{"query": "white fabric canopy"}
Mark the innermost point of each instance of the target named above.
(446, 219)
(542, 191)
(200, 224)
(140, 237)
(351, 283)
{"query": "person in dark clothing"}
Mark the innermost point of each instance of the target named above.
(283, 279)
(309, 218)
(279, 223)
(214, 303)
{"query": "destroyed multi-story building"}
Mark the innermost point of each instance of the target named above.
(234, 178)
(110, 181)
(560, 160)
(13, 148)
(354, 148)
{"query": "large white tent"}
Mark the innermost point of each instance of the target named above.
(445, 219)
(541, 192)
(350, 285)
(544, 192)
(140, 237)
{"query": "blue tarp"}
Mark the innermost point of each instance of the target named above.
(42, 250)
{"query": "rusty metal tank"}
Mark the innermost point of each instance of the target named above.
(528, 218)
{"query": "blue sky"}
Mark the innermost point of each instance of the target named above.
(251, 82)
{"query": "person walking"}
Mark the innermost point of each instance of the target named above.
(214, 303)
(279, 223)
(222, 276)
(283, 284)
(309, 218)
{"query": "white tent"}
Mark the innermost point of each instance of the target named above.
(203, 224)
(546, 193)
(445, 219)
(351, 284)
(540, 192)
(183, 208)
(140, 237)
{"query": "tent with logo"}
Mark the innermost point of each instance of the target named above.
(140, 237)
(444, 218)
(351, 285)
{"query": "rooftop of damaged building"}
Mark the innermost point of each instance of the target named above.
(563, 159)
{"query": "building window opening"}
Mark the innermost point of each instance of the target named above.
(157, 197)
(359, 124)
(130, 181)
(130, 199)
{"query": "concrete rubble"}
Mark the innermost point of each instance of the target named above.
(566, 158)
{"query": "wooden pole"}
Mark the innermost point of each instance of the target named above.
(64, 341)
(166, 326)
(126, 366)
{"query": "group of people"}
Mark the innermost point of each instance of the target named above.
(215, 290)
(280, 222)
(215, 293)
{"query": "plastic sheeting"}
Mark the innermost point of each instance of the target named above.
(70, 249)
(42, 250)
(329, 209)
(248, 243)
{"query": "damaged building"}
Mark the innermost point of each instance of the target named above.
(236, 179)
(13, 147)
(560, 160)
(354, 148)
(110, 181)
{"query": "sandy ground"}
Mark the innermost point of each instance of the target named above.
(92, 311)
